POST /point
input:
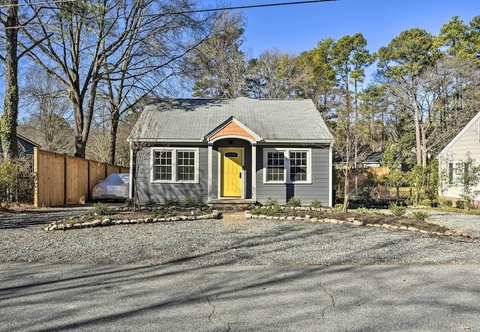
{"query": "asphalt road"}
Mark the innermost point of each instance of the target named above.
(239, 298)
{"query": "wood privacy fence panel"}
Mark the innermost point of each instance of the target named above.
(49, 169)
(97, 172)
(76, 180)
(65, 180)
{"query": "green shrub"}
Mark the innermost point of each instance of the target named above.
(100, 209)
(316, 204)
(397, 210)
(170, 202)
(151, 202)
(257, 211)
(337, 208)
(271, 201)
(294, 202)
(461, 204)
(16, 181)
(447, 202)
(128, 202)
(420, 215)
(425, 202)
(189, 202)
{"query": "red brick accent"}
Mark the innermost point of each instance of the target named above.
(232, 129)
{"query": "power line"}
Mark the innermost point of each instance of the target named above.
(37, 3)
(247, 7)
(193, 11)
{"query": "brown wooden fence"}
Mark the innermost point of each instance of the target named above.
(65, 180)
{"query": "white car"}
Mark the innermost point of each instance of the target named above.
(115, 186)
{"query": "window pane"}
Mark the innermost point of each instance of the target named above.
(275, 166)
(298, 166)
(185, 166)
(162, 165)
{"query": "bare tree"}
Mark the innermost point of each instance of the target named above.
(218, 66)
(81, 44)
(149, 59)
(49, 112)
(273, 75)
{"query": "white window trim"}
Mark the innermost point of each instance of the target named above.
(174, 164)
(286, 170)
(455, 179)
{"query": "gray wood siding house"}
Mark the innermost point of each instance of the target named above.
(236, 149)
(451, 159)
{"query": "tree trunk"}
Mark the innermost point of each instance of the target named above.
(417, 129)
(9, 119)
(114, 119)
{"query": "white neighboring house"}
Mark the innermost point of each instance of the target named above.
(451, 160)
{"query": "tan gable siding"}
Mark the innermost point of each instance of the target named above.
(232, 129)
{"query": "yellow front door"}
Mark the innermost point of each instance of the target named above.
(231, 173)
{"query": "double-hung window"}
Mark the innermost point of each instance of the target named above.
(455, 171)
(287, 165)
(174, 165)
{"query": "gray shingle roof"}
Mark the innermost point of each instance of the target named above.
(192, 119)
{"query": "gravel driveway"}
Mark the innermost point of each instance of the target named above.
(220, 242)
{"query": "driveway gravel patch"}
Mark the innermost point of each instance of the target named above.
(221, 242)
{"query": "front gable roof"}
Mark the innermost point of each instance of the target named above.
(195, 120)
(232, 128)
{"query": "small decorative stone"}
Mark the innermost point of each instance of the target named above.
(298, 218)
(357, 223)
(386, 226)
(313, 219)
(307, 217)
(269, 217)
(248, 216)
(290, 218)
(413, 229)
(423, 232)
(403, 227)
(351, 219)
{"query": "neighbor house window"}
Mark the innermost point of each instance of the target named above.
(455, 172)
(175, 165)
(287, 165)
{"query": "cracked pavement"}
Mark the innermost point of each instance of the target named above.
(41, 297)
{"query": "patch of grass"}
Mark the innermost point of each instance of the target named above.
(397, 210)
(367, 211)
(100, 209)
(420, 215)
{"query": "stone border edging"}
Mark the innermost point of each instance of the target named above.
(62, 225)
(351, 221)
